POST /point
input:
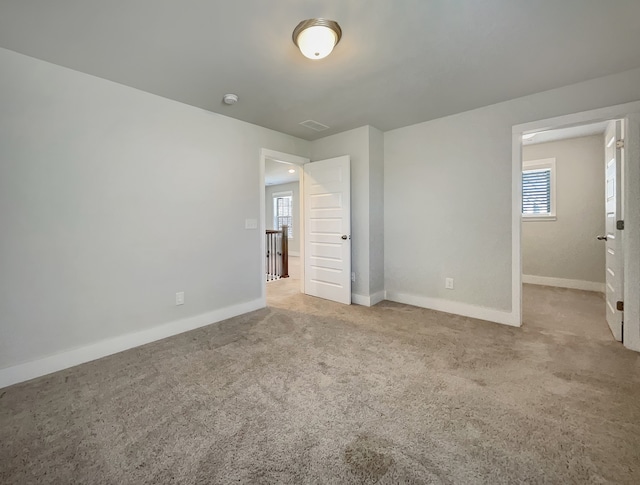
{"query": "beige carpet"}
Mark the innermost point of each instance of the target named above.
(309, 391)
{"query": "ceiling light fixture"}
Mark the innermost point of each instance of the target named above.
(316, 38)
(291, 170)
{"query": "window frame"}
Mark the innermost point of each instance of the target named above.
(541, 164)
(278, 195)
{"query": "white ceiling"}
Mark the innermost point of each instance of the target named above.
(399, 62)
(276, 172)
(565, 133)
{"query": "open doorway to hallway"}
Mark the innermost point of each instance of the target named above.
(569, 266)
(284, 236)
(323, 225)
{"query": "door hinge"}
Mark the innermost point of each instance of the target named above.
(620, 306)
(620, 225)
(620, 144)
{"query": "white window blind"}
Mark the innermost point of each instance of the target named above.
(538, 189)
(283, 213)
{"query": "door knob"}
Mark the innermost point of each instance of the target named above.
(602, 238)
(344, 236)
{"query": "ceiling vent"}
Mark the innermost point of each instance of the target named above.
(314, 125)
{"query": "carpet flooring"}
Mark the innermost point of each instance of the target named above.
(308, 391)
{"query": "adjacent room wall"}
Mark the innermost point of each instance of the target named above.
(448, 198)
(294, 242)
(111, 201)
(567, 248)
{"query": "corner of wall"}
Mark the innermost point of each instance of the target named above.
(376, 211)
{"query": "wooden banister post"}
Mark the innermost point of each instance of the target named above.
(285, 252)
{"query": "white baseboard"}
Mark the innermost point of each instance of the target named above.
(632, 345)
(457, 308)
(368, 300)
(378, 297)
(564, 283)
(360, 299)
(70, 358)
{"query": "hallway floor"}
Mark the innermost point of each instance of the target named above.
(278, 291)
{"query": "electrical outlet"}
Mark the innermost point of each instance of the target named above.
(353, 277)
(180, 298)
(448, 283)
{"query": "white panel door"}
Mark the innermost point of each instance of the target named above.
(613, 236)
(327, 238)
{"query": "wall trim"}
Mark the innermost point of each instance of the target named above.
(360, 299)
(564, 283)
(458, 308)
(370, 300)
(516, 227)
(70, 358)
(294, 253)
(377, 297)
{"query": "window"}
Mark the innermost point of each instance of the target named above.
(539, 190)
(283, 211)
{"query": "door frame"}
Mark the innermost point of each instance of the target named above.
(630, 113)
(616, 131)
(265, 154)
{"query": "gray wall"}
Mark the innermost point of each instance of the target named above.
(376, 210)
(294, 242)
(567, 247)
(448, 195)
(111, 201)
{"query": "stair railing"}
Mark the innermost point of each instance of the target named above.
(277, 254)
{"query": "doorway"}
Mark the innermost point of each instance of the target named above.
(283, 236)
(564, 253)
(630, 175)
(282, 202)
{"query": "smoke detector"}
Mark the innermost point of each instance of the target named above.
(230, 98)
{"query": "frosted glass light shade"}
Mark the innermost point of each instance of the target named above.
(316, 42)
(316, 38)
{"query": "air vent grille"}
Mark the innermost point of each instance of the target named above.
(314, 125)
